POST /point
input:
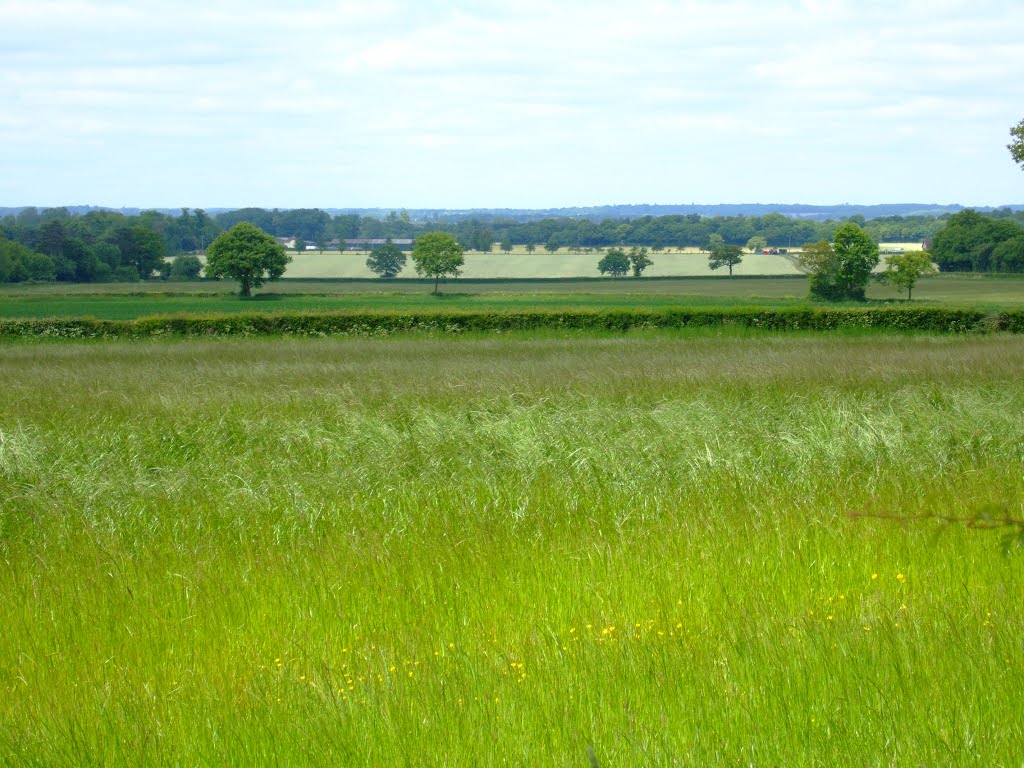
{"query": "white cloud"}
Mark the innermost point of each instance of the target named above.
(425, 98)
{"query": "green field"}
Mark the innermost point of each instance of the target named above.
(520, 264)
(129, 300)
(475, 551)
(564, 263)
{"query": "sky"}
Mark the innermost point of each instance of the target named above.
(532, 104)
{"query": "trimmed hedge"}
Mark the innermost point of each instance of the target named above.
(936, 320)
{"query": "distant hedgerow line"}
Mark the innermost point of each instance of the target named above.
(931, 319)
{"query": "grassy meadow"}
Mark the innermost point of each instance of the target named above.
(120, 301)
(481, 550)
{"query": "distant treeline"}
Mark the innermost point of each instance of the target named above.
(616, 211)
(100, 245)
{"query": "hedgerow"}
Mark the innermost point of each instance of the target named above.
(930, 319)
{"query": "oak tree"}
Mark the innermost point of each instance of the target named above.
(247, 254)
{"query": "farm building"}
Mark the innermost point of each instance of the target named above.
(368, 244)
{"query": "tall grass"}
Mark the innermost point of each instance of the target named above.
(470, 551)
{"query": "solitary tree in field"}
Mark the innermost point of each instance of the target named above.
(725, 256)
(300, 245)
(639, 260)
(506, 246)
(552, 245)
(903, 270)
(321, 243)
(437, 255)
(756, 244)
(386, 260)
(247, 254)
(614, 263)
(715, 240)
(530, 247)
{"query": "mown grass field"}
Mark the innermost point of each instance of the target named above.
(509, 549)
(564, 263)
(130, 300)
(519, 264)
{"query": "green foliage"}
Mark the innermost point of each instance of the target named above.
(840, 271)
(904, 319)
(615, 263)
(38, 267)
(386, 260)
(725, 256)
(715, 240)
(18, 263)
(856, 256)
(903, 270)
(756, 244)
(247, 254)
(552, 244)
(141, 249)
(1016, 145)
(1008, 256)
(437, 255)
(299, 245)
(639, 260)
(969, 241)
(481, 239)
(185, 266)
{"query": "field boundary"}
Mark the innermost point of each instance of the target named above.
(929, 319)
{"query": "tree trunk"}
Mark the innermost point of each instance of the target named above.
(245, 288)
(909, 289)
(436, 280)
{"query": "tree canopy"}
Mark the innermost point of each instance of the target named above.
(247, 254)
(840, 271)
(185, 266)
(639, 260)
(903, 270)
(725, 256)
(969, 242)
(756, 244)
(140, 248)
(386, 260)
(614, 263)
(436, 255)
